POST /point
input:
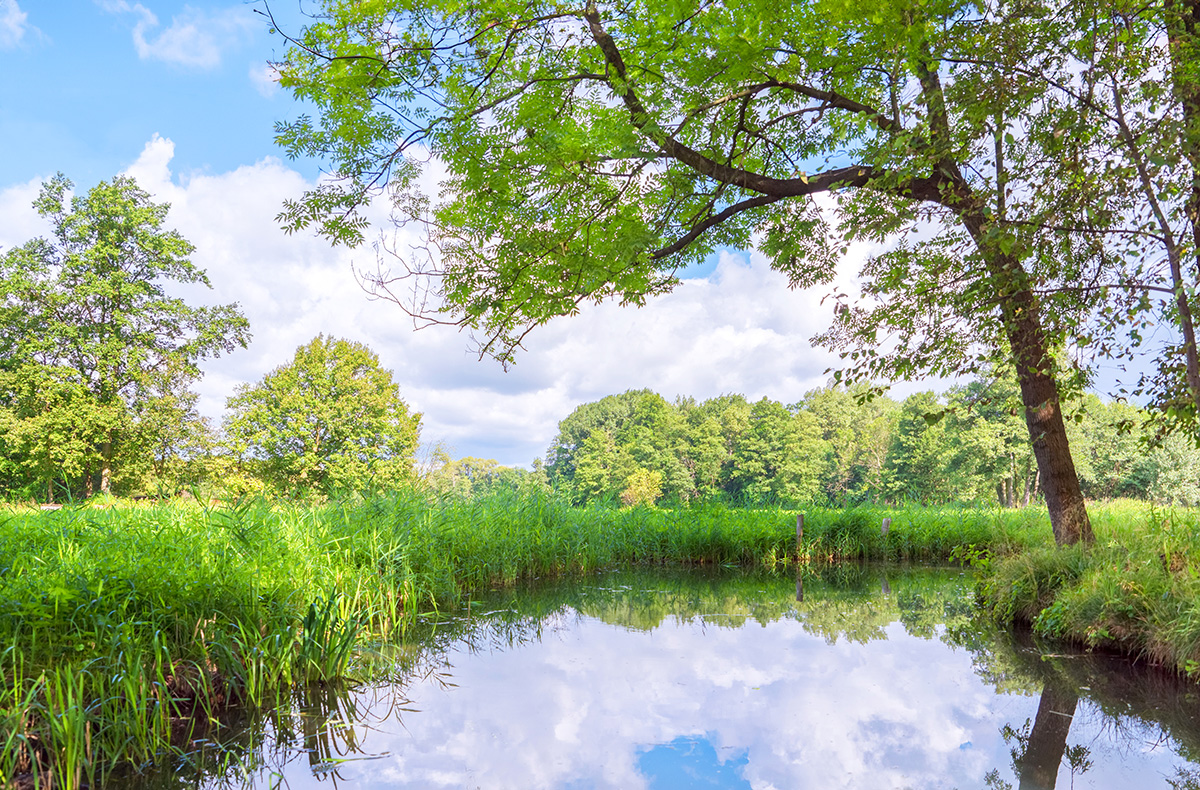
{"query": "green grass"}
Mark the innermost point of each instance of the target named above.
(127, 631)
(1137, 590)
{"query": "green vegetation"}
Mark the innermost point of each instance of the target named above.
(330, 420)
(96, 358)
(839, 447)
(1137, 590)
(124, 630)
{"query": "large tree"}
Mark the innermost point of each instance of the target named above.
(90, 336)
(593, 149)
(330, 420)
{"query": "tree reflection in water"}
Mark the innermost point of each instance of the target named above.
(1038, 750)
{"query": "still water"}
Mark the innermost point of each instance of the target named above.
(877, 677)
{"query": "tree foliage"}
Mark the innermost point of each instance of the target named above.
(592, 149)
(471, 478)
(93, 347)
(330, 420)
(841, 447)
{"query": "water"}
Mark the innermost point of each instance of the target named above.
(878, 678)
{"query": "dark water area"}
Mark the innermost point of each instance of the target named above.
(849, 677)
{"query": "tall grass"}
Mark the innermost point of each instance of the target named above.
(129, 630)
(1137, 590)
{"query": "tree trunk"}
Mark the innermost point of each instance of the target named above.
(1043, 416)
(106, 452)
(1038, 766)
(1039, 391)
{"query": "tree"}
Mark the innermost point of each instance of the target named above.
(471, 478)
(1125, 180)
(858, 427)
(329, 420)
(602, 468)
(643, 488)
(88, 332)
(921, 451)
(991, 455)
(777, 456)
(592, 150)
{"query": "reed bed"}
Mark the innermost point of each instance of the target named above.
(127, 631)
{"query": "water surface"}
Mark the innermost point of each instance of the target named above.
(875, 678)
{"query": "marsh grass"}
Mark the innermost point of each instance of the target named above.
(127, 631)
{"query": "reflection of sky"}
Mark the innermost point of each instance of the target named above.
(599, 706)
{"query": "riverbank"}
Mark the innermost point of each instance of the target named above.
(1136, 591)
(126, 630)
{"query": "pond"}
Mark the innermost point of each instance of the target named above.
(847, 677)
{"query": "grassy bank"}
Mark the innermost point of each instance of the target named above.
(128, 630)
(1137, 590)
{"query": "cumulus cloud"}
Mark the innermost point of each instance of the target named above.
(741, 329)
(194, 38)
(14, 25)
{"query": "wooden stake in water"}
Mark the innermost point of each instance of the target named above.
(799, 532)
(887, 524)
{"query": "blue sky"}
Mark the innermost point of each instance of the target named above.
(89, 82)
(180, 96)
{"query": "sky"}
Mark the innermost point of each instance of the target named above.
(180, 96)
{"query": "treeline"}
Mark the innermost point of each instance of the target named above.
(329, 421)
(836, 446)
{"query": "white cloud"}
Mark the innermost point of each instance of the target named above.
(19, 221)
(14, 26)
(265, 79)
(797, 711)
(739, 330)
(194, 38)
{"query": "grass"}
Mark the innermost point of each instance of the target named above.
(127, 631)
(1136, 591)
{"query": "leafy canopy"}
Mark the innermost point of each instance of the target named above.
(592, 150)
(91, 339)
(330, 420)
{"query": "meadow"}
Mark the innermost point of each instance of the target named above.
(127, 630)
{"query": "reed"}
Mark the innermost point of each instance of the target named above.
(129, 631)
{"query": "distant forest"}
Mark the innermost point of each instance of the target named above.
(835, 446)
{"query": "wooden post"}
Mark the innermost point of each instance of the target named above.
(799, 586)
(887, 524)
(799, 532)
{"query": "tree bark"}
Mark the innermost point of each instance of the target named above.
(1039, 391)
(1043, 417)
